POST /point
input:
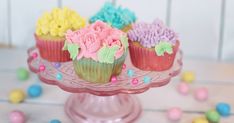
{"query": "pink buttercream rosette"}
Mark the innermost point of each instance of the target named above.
(90, 40)
(94, 37)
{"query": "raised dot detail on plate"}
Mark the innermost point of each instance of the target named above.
(135, 81)
(124, 66)
(130, 72)
(42, 68)
(57, 65)
(113, 79)
(59, 76)
(147, 79)
(34, 55)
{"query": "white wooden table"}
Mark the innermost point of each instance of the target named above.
(217, 77)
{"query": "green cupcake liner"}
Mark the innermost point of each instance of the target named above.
(97, 72)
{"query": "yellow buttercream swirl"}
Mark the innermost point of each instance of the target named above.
(58, 21)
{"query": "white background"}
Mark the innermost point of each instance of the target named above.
(205, 27)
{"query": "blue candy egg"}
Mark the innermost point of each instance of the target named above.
(34, 90)
(130, 72)
(55, 121)
(59, 76)
(223, 109)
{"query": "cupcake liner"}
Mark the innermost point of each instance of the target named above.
(146, 58)
(118, 65)
(52, 50)
(97, 72)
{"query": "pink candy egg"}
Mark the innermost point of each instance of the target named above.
(183, 88)
(174, 114)
(17, 117)
(201, 94)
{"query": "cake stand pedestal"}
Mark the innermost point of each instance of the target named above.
(87, 108)
(101, 103)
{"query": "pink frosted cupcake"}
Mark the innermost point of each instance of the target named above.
(50, 33)
(98, 51)
(152, 47)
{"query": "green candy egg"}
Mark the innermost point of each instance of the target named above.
(22, 74)
(213, 116)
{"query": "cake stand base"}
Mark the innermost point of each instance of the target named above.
(87, 108)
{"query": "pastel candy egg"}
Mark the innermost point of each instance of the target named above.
(174, 114)
(22, 74)
(16, 96)
(55, 121)
(188, 76)
(201, 94)
(223, 109)
(34, 90)
(213, 116)
(200, 120)
(17, 117)
(183, 88)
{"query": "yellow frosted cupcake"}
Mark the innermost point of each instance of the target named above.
(50, 33)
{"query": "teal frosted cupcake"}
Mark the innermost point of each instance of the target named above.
(117, 17)
(98, 51)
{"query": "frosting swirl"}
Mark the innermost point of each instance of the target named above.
(97, 41)
(58, 21)
(117, 17)
(149, 35)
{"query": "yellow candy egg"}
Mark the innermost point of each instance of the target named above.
(188, 76)
(16, 96)
(200, 120)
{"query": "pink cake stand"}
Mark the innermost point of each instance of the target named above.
(101, 103)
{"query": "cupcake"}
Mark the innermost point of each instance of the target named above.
(117, 17)
(98, 51)
(152, 47)
(50, 33)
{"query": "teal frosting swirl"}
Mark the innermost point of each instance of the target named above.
(117, 17)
